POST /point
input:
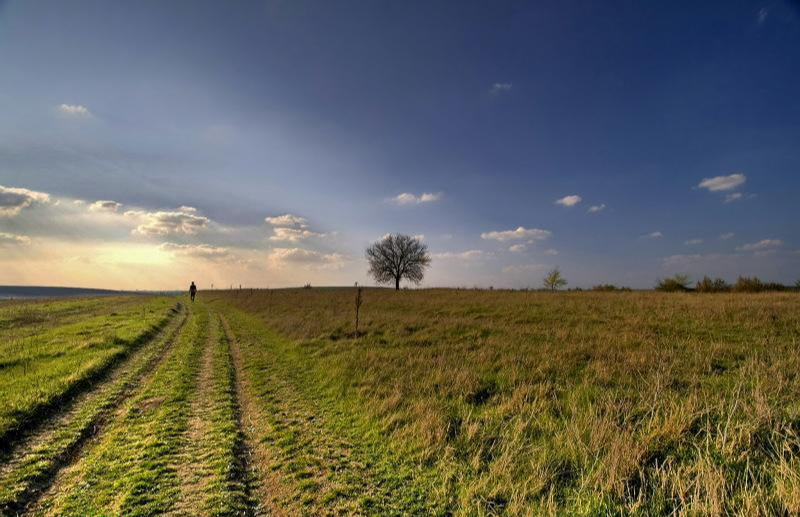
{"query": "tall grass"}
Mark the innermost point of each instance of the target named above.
(568, 403)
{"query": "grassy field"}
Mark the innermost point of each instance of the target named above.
(446, 402)
(50, 351)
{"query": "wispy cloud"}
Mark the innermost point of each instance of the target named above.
(196, 251)
(551, 251)
(733, 196)
(597, 208)
(281, 257)
(293, 234)
(524, 268)
(727, 236)
(407, 198)
(498, 88)
(761, 245)
(719, 183)
(518, 248)
(569, 200)
(692, 242)
(13, 239)
(290, 228)
(462, 255)
(519, 234)
(184, 220)
(105, 206)
(74, 110)
(652, 235)
(14, 200)
(288, 220)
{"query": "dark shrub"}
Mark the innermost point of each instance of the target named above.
(717, 285)
(610, 288)
(746, 284)
(675, 284)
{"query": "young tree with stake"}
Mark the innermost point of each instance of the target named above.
(554, 280)
(397, 257)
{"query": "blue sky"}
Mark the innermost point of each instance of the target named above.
(480, 116)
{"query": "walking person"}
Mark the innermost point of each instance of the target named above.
(192, 290)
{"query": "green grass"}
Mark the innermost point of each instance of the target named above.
(37, 459)
(43, 368)
(324, 458)
(449, 403)
(173, 446)
(554, 404)
(130, 469)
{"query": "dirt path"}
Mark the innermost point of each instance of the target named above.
(128, 463)
(308, 457)
(193, 469)
(264, 484)
(34, 463)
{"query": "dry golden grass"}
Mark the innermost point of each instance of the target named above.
(532, 403)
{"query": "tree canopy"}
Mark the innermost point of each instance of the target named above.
(397, 257)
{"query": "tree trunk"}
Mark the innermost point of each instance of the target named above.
(397, 283)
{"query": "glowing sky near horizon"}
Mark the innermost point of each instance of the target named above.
(148, 144)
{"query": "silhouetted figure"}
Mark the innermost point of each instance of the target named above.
(192, 291)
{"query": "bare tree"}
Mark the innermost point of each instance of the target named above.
(397, 257)
(554, 280)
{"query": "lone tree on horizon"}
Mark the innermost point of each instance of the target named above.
(554, 280)
(397, 257)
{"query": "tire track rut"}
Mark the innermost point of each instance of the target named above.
(34, 464)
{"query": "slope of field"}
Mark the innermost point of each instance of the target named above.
(521, 403)
(51, 351)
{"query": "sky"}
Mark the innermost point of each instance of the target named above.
(147, 144)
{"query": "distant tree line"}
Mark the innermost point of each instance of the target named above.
(744, 284)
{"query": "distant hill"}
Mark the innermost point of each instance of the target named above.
(25, 291)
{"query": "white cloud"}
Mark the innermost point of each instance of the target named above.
(518, 248)
(281, 257)
(597, 208)
(406, 198)
(692, 242)
(498, 88)
(520, 233)
(288, 220)
(13, 200)
(165, 223)
(293, 234)
(652, 235)
(551, 251)
(761, 245)
(74, 110)
(726, 236)
(105, 206)
(199, 251)
(11, 238)
(718, 183)
(569, 200)
(464, 255)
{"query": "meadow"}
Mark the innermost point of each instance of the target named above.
(445, 402)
